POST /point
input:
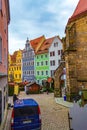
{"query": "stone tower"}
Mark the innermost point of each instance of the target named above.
(75, 50)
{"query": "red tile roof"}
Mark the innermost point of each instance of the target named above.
(35, 42)
(13, 57)
(45, 46)
(80, 9)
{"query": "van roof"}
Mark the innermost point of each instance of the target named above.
(25, 102)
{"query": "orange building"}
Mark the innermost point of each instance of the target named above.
(4, 21)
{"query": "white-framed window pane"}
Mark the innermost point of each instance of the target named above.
(46, 72)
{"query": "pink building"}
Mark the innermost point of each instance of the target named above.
(4, 21)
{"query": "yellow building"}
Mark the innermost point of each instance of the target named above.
(14, 68)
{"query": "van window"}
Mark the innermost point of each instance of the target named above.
(25, 111)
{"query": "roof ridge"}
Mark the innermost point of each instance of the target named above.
(80, 9)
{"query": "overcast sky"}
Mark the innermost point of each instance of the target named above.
(34, 18)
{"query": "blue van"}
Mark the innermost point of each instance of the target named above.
(26, 115)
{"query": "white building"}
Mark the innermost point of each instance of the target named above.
(55, 51)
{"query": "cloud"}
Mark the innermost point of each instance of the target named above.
(35, 18)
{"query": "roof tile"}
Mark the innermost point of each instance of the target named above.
(80, 9)
(45, 46)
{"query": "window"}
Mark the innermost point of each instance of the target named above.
(19, 75)
(52, 53)
(46, 72)
(37, 63)
(46, 56)
(37, 72)
(5, 58)
(58, 52)
(41, 56)
(15, 75)
(42, 72)
(55, 44)
(42, 63)
(58, 62)
(46, 62)
(52, 72)
(5, 23)
(52, 63)
(0, 49)
(38, 81)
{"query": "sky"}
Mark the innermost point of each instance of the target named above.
(34, 18)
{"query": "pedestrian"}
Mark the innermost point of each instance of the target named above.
(47, 91)
(15, 98)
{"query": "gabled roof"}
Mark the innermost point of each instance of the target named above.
(13, 57)
(45, 46)
(80, 9)
(35, 42)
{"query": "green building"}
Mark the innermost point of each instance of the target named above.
(42, 64)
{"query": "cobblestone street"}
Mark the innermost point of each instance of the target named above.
(54, 116)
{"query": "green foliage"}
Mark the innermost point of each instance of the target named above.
(44, 89)
(10, 90)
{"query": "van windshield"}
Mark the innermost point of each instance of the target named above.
(25, 111)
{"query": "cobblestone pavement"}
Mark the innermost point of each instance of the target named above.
(54, 116)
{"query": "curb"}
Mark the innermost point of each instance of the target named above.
(63, 103)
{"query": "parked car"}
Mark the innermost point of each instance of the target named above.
(26, 115)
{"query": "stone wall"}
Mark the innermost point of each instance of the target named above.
(76, 54)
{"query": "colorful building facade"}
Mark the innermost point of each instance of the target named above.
(55, 52)
(28, 63)
(4, 21)
(41, 67)
(47, 59)
(28, 58)
(15, 67)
